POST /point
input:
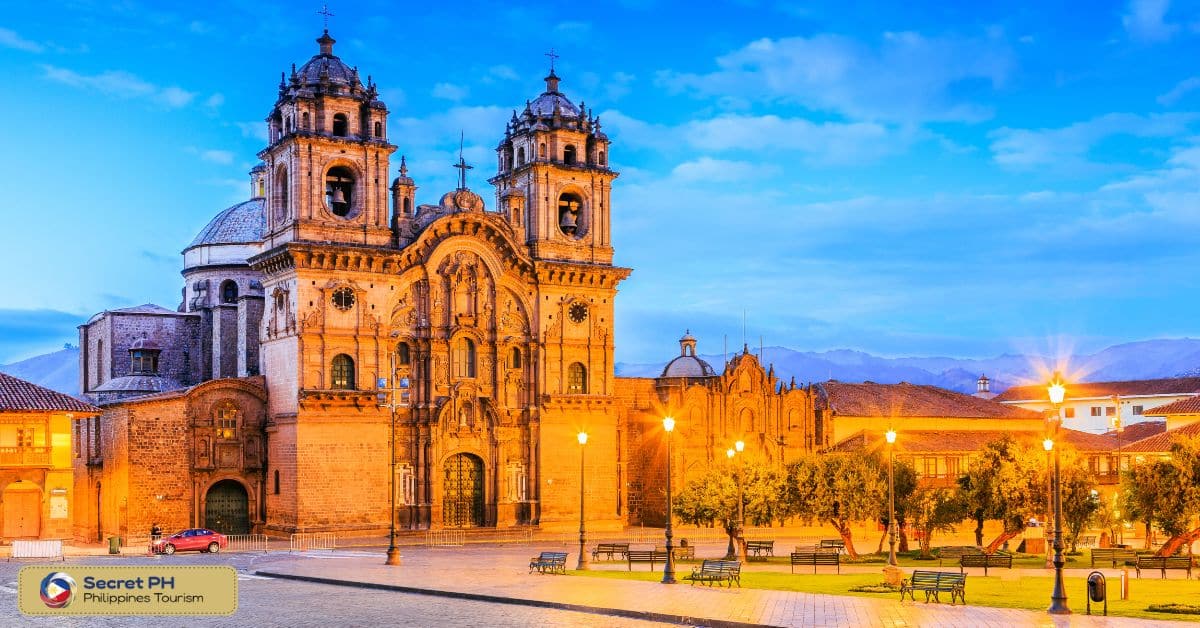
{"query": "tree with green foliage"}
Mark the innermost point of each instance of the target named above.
(713, 499)
(935, 510)
(906, 485)
(1006, 482)
(1079, 502)
(1142, 493)
(838, 489)
(1167, 493)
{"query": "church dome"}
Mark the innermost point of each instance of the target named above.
(327, 65)
(544, 106)
(687, 366)
(243, 223)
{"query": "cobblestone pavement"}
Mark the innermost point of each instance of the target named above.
(270, 602)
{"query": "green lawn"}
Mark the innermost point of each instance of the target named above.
(1008, 591)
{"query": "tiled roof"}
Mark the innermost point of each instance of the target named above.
(1162, 442)
(243, 223)
(965, 441)
(1138, 431)
(1191, 405)
(1169, 386)
(909, 400)
(18, 395)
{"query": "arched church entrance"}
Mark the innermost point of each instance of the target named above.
(227, 508)
(22, 510)
(462, 492)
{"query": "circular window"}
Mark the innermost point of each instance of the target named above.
(578, 312)
(343, 298)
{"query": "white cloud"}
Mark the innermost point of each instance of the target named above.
(120, 84)
(10, 39)
(503, 72)
(1144, 20)
(572, 28)
(255, 130)
(1180, 89)
(709, 170)
(906, 78)
(214, 101)
(1070, 145)
(827, 141)
(449, 91)
(223, 157)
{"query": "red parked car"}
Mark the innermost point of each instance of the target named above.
(200, 539)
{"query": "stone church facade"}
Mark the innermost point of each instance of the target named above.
(255, 405)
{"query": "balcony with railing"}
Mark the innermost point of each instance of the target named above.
(25, 456)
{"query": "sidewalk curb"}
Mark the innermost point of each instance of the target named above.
(595, 610)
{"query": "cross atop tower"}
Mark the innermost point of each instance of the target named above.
(462, 164)
(327, 14)
(552, 56)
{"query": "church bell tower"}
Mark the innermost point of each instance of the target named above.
(327, 157)
(555, 157)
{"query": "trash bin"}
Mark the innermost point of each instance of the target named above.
(114, 545)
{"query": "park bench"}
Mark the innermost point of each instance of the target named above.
(717, 571)
(956, 552)
(645, 556)
(685, 552)
(1086, 541)
(1163, 563)
(985, 561)
(1114, 557)
(49, 548)
(836, 544)
(610, 550)
(935, 582)
(760, 549)
(549, 562)
(826, 557)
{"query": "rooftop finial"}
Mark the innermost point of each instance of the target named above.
(552, 78)
(462, 165)
(403, 167)
(325, 13)
(326, 42)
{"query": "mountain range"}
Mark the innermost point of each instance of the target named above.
(1148, 359)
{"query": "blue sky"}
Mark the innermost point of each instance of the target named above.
(922, 178)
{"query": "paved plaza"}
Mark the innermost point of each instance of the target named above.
(490, 585)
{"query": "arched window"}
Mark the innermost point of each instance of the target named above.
(514, 359)
(577, 379)
(287, 123)
(402, 354)
(569, 154)
(542, 151)
(602, 161)
(569, 209)
(340, 123)
(304, 124)
(226, 420)
(407, 205)
(342, 375)
(521, 156)
(281, 194)
(464, 358)
(378, 129)
(339, 191)
(229, 291)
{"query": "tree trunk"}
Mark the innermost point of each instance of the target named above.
(998, 541)
(1175, 542)
(843, 529)
(903, 545)
(926, 543)
(879, 550)
(978, 531)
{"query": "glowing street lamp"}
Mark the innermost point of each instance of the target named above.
(669, 566)
(1048, 445)
(1058, 598)
(891, 441)
(583, 561)
(737, 448)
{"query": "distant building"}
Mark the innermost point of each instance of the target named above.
(1100, 406)
(36, 455)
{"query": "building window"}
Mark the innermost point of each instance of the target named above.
(577, 379)
(229, 291)
(24, 437)
(602, 159)
(1069, 412)
(521, 156)
(144, 362)
(79, 439)
(569, 155)
(569, 208)
(464, 358)
(514, 359)
(343, 372)
(1110, 411)
(304, 121)
(406, 486)
(378, 129)
(1137, 411)
(276, 481)
(226, 420)
(340, 124)
(403, 356)
(339, 191)
(1096, 411)
(542, 150)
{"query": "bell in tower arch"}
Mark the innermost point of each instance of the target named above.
(568, 213)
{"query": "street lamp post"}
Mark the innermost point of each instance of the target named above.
(1058, 598)
(891, 441)
(391, 400)
(738, 447)
(1048, 445)
(583, 561)
(669, 566)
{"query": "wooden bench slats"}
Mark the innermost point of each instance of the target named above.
(717, 571)
(1114, 556)
(610, 549)
(549, 562)
(1163, 563)
(933, 583)
(956, 552)
(645, 556)
(985, 561)
(827, 557)
(760, 549)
